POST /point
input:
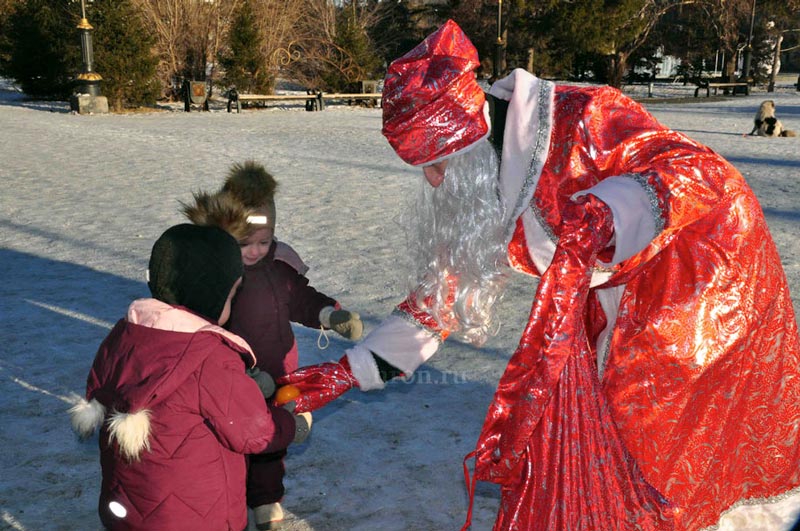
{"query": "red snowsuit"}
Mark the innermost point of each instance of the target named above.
(205, 413)
(273, 296)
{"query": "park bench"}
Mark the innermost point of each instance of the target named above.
(313, 99)
(739, 87)
(369, 99)
(365, 92)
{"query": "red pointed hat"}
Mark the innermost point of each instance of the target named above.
(433, 107)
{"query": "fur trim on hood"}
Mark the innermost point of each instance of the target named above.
(221, 210)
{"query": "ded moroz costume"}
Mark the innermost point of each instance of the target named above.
(655, 385)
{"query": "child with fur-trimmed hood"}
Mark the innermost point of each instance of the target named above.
(168, 390)
(275, 293)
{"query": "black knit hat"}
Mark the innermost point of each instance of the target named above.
(195, 267)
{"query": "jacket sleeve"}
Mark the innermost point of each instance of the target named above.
(100, 366)
(235, 409)
(305, 302)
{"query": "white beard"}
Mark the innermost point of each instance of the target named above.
(456, 234)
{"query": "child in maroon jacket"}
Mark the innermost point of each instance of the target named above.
(169, 392)
(275, 293)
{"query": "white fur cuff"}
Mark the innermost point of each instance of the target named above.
(364, 368)
(402, 343)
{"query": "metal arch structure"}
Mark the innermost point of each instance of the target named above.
(285, 56)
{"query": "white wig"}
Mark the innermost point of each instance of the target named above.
(457, 245)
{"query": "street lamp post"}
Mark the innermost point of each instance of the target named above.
(499, 45)
(87, 98)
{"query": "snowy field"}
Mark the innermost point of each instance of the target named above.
(84, 197)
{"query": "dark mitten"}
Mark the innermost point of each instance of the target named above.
(347, 324)
(265, 382)
(386, 370)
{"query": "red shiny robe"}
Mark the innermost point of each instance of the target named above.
(697, 406)
(701, 379)
(657, 389)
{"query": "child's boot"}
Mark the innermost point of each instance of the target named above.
(268, 516)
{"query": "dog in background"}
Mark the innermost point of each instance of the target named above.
(767, 124)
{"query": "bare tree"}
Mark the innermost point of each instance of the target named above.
(189, 34)
(278, 26)
(327, 60)
(781, 19)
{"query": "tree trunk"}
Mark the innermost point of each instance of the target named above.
(617, 66)
(730, 66)
(776, 65)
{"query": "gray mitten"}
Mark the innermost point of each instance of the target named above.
(345, 323)
(302, 427)
(302, 422)
(264, 381)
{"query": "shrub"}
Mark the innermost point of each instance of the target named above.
(123, 53)
(44, 48)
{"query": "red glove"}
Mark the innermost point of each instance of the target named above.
(319, 384)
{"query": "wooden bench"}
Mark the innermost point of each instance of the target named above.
(370, 99)
(313, 99)
(708, 85)
(648, 84)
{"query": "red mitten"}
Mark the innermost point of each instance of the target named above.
(319, 384)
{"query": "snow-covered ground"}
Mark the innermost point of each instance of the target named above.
(84, 197)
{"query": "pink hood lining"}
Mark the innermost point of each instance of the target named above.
(153, 313)
(132, 430)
